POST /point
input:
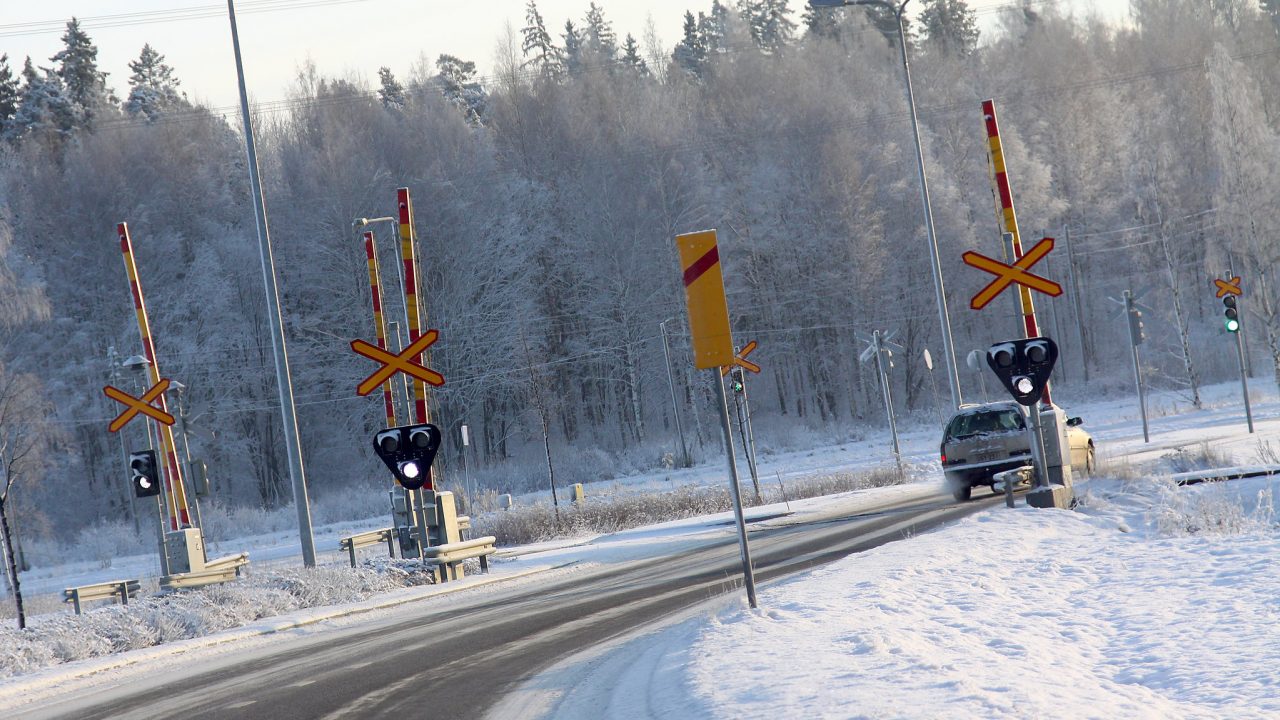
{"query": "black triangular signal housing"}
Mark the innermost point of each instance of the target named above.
(1024, 366)
(408, 452)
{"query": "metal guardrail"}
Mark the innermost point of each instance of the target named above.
(451, 555)
(367, 539)
(217, 571)
(110, 590)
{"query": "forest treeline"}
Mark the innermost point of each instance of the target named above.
(547, 195)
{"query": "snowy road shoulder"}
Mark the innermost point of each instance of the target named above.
(1149, 602)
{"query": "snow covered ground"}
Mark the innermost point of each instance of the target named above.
(1149, 601)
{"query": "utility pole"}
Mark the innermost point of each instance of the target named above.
(279, 350)
(1073, 277)
(1134, 320)
(113, 360)
(685, 461)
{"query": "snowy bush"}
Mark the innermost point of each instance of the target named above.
(155, 620)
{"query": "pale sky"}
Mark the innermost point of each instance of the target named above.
(341, 36)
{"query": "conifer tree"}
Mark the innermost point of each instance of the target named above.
(631, 56)
(950, 26)
(690, 54)
(458, 85)
(598, 34)
(85, 84)
(44, 109)
(8, 94)
(154, 89)
(390, 91)
(572, 48)
(537, 46)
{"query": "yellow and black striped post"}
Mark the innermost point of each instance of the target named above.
(175, 494)
(413, 305)
(379, 322)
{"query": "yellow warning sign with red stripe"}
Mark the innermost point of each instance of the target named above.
(704, 294)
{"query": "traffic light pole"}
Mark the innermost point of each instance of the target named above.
(1244, 375)
(878, 339)
(747, 575)
(739, 405)
(1129, 310)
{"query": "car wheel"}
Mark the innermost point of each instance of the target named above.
(962, 492)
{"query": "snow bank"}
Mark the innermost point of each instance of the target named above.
(1149, 602)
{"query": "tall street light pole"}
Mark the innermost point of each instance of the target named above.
(948, 346)
(278, 349)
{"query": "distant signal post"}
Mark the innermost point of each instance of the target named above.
(713, 350)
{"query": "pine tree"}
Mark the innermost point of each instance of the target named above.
(537, 45)
(631, 57)
(713, 29)
(600, 40)
(768, 23)
(44, 108)
(8, 94)
(950, 26)
(458, 85)
(391, 92)
(690, 54)
(572, 48)
(86, 86)
(154, 88)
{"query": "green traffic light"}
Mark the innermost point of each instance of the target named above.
(1233, 325)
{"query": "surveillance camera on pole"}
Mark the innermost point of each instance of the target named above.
(408, 452)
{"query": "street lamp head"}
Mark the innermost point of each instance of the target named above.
(135, 362)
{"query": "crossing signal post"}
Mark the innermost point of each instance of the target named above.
(1230, 292)
(1023, 367)
(145, 477)
(1231, 314)
(408, 452)
(1137, 336)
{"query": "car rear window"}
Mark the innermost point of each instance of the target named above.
(985, 422)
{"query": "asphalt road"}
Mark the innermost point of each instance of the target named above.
(456, 659)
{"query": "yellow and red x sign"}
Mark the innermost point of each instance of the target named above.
(740, 360)
(404, 362)
(134, 405)
(1009, 274)
(1228, 287)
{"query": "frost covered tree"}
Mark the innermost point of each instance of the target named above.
(768, 23)
(154, 88)
(458, 85)
(85, 84)
(950, 26)
(631, 57)
(44, 109)
(690, 55)
(390, 91)
(599, 40)
(539, 50)
(8, 94)
(572, 48)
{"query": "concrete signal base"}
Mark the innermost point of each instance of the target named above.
(1052, 496)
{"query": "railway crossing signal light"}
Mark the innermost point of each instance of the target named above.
(735, 381)
(1135, 326)
(408, 452)
(1023, 366)
(144, 475)
(1231, 314)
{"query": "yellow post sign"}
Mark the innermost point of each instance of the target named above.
(704, 294)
